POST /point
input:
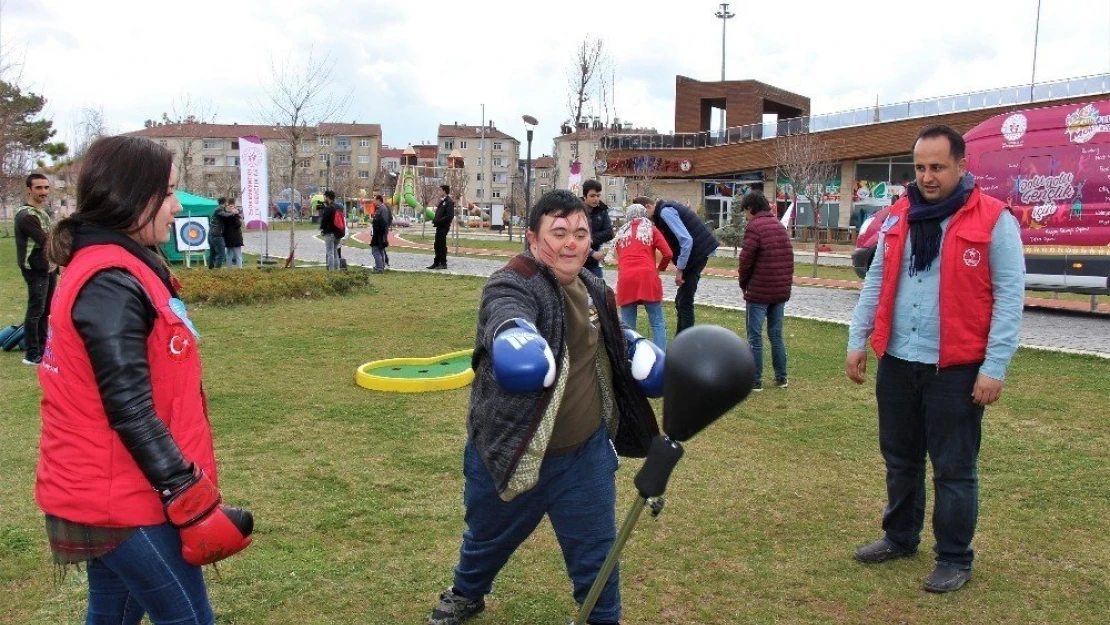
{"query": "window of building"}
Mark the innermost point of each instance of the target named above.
(363, 173)
(306, 163)
(306, 147)
(344, 159)
(496, 145)
(442, 160)
(234, 145)
(544, 174)
(324, 141)
(480, 161)
(501, 177)
(233, 161)
(498, 161)
(364, 158)
(612, 198)
(323, 173)
(163, 142)
(323, 158)
(479, 195)
(285, 181)
(212, 144)
(462, 145)
(342, 144)
(479, 177)
(496, 194)
(363, 143)
(209, 161)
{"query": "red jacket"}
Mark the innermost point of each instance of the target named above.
(85, 474)
(637, 272)
(966, 290)
(766, 266)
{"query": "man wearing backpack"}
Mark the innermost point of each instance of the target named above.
(32, 225)
(333, 228)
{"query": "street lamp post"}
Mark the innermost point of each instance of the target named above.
(724, 16)
(529, 123)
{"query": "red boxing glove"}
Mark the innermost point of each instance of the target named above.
(209, 531)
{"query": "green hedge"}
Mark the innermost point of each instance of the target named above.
(232, 287)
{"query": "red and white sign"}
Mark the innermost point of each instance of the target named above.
(254, 181)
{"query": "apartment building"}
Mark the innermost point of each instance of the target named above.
(543, 174)
(490, 158)
(591, 158)
(342, 157)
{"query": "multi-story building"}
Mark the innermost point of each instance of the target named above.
(591, 160)
(543, 175)
(342, 157)
(490, 158)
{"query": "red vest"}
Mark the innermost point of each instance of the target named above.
(85, 474)
(966, 293)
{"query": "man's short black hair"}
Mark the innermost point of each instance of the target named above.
(35, 176)
(378, 198)
(955, 139)
(591, 185)
(222, 201)
(330, 194)
(446, 188)
(557, 203)
(756, 202)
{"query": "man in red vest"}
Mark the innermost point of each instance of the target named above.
(942, 303)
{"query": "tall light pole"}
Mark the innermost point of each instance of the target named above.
(724, 16)
(1036, 35)
(529, 123)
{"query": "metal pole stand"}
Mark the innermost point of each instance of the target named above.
(651, 483)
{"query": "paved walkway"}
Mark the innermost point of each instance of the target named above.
(1045, 324)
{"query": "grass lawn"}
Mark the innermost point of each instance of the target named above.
(357, 494)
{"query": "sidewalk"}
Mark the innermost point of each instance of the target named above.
(850, 285)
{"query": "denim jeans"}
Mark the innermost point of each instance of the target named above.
(577, 491)
(331, 255)
(235, 257)
(596, 269)
(925, 410)
(147, 575)
(217, 253)
(773, 313)
(379, 258)
(40, 290)
(655, 317)
(684, 297)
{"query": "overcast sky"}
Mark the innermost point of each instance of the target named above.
(410, 65)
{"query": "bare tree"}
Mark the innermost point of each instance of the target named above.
(583, 77)
(806, 164)
(186, 122)
(297, 101)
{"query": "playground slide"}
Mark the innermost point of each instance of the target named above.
(407, 189)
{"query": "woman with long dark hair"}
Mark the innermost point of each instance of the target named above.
(127, 471)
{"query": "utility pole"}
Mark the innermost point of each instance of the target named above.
(1036, 35)
(724, 16)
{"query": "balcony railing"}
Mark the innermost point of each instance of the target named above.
(1026, 94)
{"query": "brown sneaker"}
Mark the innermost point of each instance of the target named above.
(454, 608)
(880, 551)
(945, 578)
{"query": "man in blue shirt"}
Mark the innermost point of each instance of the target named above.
(942, 302)
(692, 243)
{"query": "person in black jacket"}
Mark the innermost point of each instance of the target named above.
(32, 225)
(445, 214)
(379, 237)
(233, 235)
(333, 235)
(601, 226)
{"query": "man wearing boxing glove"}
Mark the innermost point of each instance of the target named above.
(127, 470)
(554, 396)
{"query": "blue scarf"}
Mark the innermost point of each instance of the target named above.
(925, 218)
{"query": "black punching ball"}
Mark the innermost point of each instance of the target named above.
(708, 371)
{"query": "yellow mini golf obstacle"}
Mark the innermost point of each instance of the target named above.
(417, 375)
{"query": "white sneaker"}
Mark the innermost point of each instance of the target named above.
(33, 363)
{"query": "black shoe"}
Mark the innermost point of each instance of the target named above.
(433, 266)
(945, 578)
(782, 383)
(454, 608)
(880, 551)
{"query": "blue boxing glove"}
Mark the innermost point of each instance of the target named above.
(522, 359)
(647, 363)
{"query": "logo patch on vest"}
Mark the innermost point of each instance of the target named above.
(180, 344)
(972, 257)
(888, 223)
(178, 308)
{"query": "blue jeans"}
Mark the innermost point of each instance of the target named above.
(684, 297)
(596, 269)
(379, 258)
(331, 253)
(655, 317)
(235, 257)
(923, 410)
(147, 575)
(577, 491)
(773, 313)
(217, 253)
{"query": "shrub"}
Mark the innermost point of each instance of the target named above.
(229, 288)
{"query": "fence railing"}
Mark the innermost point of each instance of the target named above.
(1026, 94)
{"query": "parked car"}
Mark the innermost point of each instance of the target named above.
(1052, 168)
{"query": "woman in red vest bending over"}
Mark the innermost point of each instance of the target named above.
(126, 472)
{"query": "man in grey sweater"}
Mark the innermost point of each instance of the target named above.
(553, 398)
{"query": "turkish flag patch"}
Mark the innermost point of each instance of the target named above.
(181, 341)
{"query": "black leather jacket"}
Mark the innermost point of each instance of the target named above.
(114, 317)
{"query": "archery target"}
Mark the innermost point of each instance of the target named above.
(192, 233)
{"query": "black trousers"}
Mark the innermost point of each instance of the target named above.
(40, 290)
(684, 297)
(441, 246)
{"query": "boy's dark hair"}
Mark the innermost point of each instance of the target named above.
(378, 198)
(591, 185)
(644, 201)
(958, 148)
(330, 195)
(446, 188)
(222, 201)
(558, 203)
(35, 176)
(754, 201)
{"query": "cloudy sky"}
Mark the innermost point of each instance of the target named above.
(410, 65)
